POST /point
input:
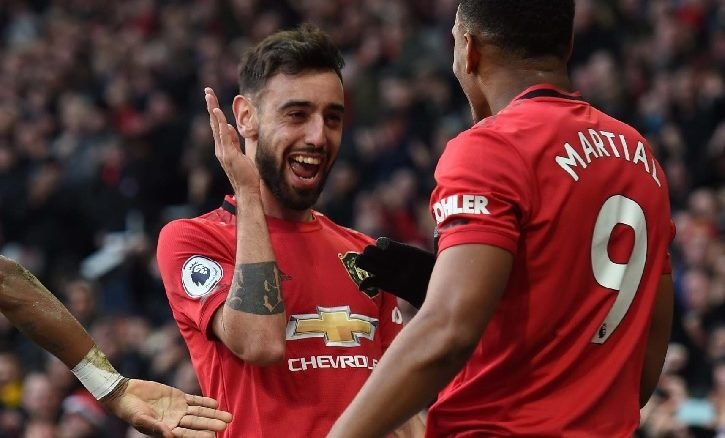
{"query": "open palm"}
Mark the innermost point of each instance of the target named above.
(162, 411)
(240, 169)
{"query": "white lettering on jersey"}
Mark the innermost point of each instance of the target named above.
(587, 148)
(571, 159)
(639, 156)
(610, 138)
(625, 148)
(199, 275)
(460, 204)
(328, 361)
(598, 143)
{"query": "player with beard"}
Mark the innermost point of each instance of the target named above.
(264, 289)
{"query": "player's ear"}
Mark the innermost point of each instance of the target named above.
(473, 56)
(245, 115)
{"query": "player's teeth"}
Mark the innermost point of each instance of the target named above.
(306, 160)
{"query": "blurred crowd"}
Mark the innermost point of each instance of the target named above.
(104, 138)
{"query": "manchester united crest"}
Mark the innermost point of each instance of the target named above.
(356, 274)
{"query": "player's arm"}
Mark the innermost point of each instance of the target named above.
(391, 323)
(36, 312)
(465, 287)
(413, 428)
(252, 321)
(150, 407)
(657, 340)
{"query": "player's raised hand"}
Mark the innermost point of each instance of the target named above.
(240, 169)
(162, 411)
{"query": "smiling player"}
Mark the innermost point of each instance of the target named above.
(264, 289)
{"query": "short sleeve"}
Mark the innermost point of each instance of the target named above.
(483, 192)
(196, 271)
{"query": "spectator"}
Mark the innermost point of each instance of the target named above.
(103, 141)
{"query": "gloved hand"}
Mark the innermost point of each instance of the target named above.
(403, 270)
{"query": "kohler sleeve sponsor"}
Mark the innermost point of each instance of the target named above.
(460, 204)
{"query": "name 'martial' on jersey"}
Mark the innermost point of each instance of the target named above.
(592, 145)
(460, 204)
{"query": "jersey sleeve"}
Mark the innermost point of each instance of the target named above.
(483, 192)
(391, 320)
(196, 273)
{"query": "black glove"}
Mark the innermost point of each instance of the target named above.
(403, 270)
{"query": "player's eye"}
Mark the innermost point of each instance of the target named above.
(297, 115)
(333, 120)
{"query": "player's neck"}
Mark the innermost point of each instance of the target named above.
(274, 208)
(505, 83)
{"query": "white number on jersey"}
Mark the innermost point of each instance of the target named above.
(622, 278)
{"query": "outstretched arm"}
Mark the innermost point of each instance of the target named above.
(33, 310)
(150, 407)
(465, 287)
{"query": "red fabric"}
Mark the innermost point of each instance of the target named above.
(537, 371)
(295, 397)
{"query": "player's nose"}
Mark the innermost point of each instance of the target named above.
(315, 134)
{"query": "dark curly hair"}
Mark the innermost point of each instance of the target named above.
(290, 52)
(524, 28)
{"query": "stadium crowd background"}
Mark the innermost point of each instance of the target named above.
(104, 138)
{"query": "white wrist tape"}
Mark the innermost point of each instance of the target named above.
(97, 374)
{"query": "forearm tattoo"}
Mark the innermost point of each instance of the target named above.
(257, 289)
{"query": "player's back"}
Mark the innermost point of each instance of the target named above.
(563, 353)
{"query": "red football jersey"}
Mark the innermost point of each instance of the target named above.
(580, 201)
(335, 333)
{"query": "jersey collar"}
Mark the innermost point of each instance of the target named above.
(230, 206)
(548, 90)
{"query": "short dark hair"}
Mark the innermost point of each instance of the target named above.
(290, 52)
(525, 28)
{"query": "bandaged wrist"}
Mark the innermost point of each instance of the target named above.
(97, 374)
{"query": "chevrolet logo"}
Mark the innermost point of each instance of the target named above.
(336, 325)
